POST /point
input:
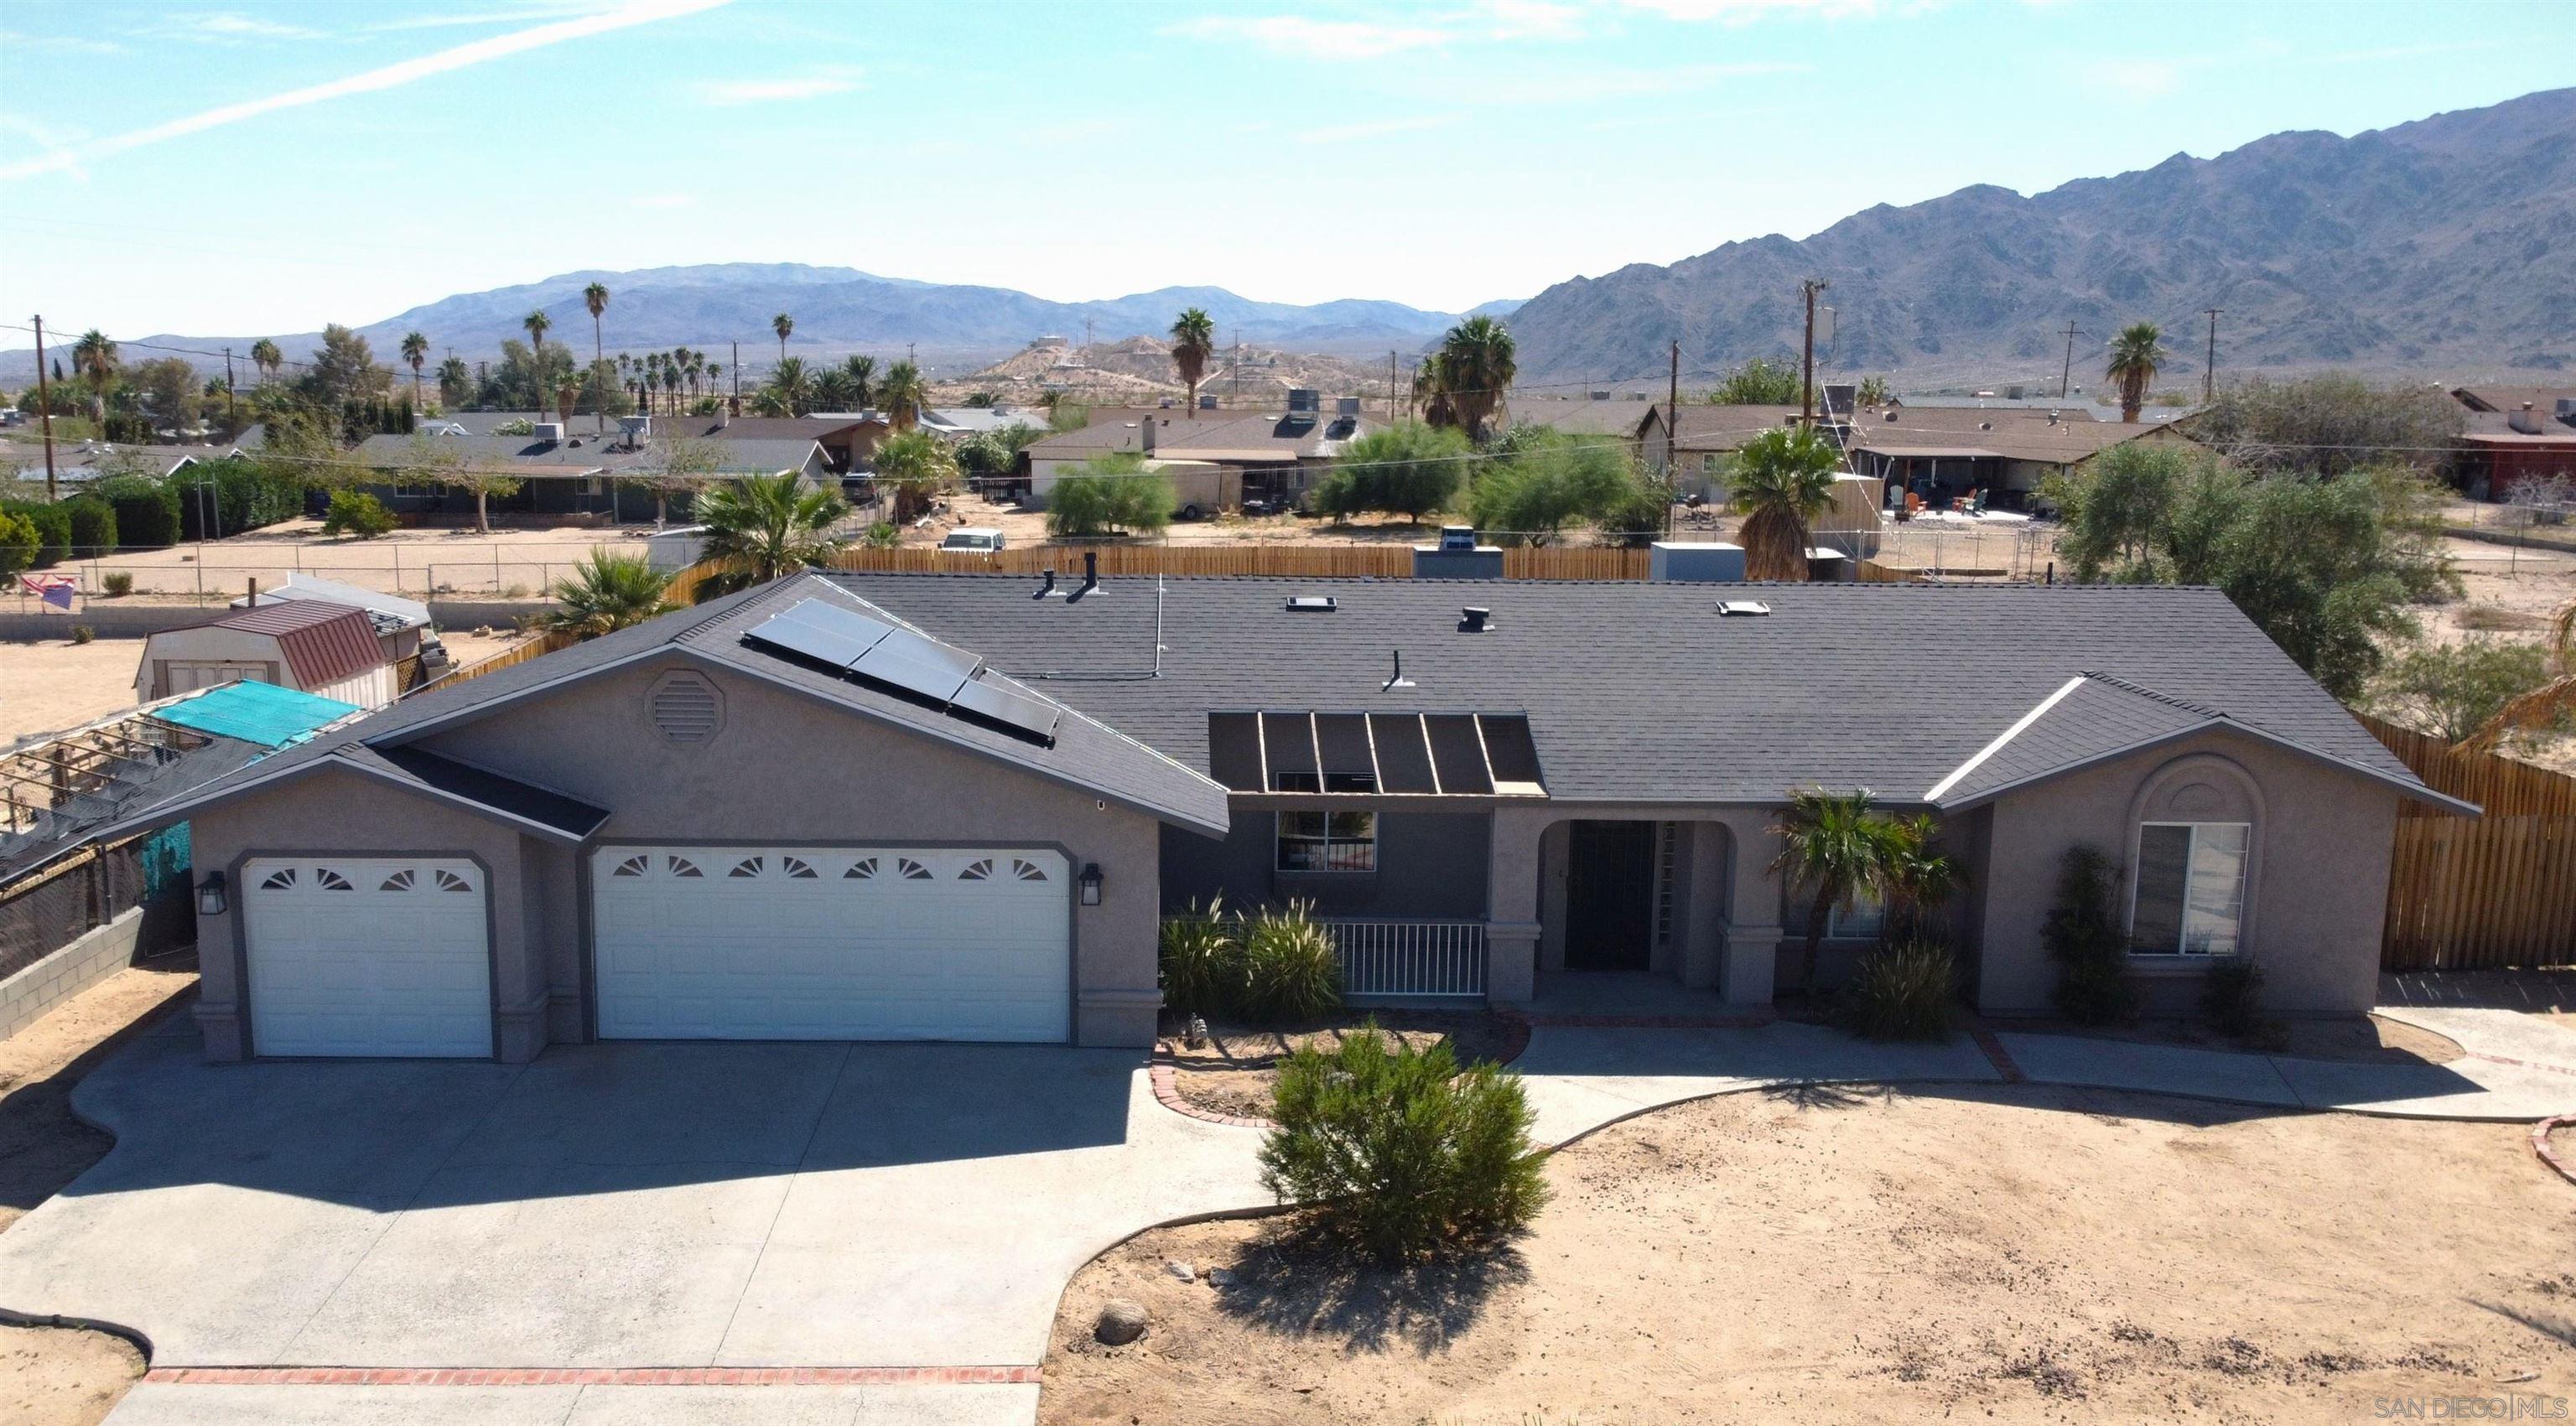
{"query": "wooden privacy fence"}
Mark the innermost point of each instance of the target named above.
(2498, 890)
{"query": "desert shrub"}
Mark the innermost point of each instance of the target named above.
(2452, 690)
(882, 536)
(1902, 992)
(93, 526)
(1114, 494)
(236, 495)
(53, 527)
(117, 583)
(2093, 985)
(2231, 995)
(17, 543)
(1290, 970)
(1408, 470)
(1396, 1153)
(1202, 962)
(147, 510)
(84, 634)
(355, 512)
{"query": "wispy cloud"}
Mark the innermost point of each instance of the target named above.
(1306, 38)
(392, 76)
(56, 44)
(727, 93)
(1532, 20)
(1745, 12)
(57, 143)
(1375, 128)
(230, 29)
(462, 18)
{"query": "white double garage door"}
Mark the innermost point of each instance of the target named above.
(390, 956)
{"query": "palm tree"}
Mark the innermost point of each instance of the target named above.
(415, 350)
(790, 387)
(1427, 395)
(782, 324)
(916, 466)
(453, 376)
(832, 389)
(1193, 342)
(862, 371)
(1915, 873)
(537, 323)
(265, 356)
(1476, 364)
(2136, 356)
(1831, 847)
(608, 592)
(766, 526)
(94, 356)
(595, 297)
(902, 395)
(1784, 479)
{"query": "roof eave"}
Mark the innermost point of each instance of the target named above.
(2406, 786)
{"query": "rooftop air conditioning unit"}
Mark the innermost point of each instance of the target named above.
(550, 432)
(1346, 406)
(638, 429)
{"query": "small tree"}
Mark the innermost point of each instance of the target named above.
(606, 593)
(1832, 848)
(1397, 1154)
(355, 512)
(1759, 382)
(682, 467)
(17, 543)
(1409, 470)
(2451, 692)
(917, 466)
(1113, 494)
(1548, 480)
(2083, 937)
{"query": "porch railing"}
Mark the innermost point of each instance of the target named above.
(1393, 960)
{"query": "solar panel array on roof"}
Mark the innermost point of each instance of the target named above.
(900, 661)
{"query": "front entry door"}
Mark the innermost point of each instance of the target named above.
(1609, 894)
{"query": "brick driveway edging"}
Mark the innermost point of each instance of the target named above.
(2540, 1134)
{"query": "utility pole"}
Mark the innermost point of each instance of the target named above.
(1390, 388)
(734, 369)
(45, 399)
(232, 417)
(1672, 435)
(1807, 366)
(2067, 376)
(2209, 373)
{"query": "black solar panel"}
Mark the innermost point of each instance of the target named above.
(825, 633)
(923, 667)
(1008, 708)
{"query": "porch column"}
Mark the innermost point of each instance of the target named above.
(1511, 905)
(1752, 911)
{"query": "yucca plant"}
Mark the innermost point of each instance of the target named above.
(1396, 1153)
(1902, 992)
(1290, 969)
(1202, 960)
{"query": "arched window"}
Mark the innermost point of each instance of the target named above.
(2195, 839)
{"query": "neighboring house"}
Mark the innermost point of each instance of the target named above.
(2516, 434)
(846, 441)
(78, 464)
(1942, 452)
(955, 807)
(1273, 456)
(959, 422)
(576, 473)
(309, 645)
(1707, 440)
(400, 624)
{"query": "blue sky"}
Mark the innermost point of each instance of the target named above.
(268, 167)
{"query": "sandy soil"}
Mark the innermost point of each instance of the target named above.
(415, 562)
(57, 1376)
(1236, 1071)
(61, 1376)
(55, 683)
(2364, 1039)
(2020, 1256)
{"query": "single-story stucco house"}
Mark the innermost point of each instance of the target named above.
(862, 806)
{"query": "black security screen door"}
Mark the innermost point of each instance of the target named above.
(1609, 894)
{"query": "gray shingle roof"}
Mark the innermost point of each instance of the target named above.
(1639, 692)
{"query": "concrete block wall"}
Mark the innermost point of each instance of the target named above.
(84, 962)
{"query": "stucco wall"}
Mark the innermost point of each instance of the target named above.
(1430, 866)
(787, 768)
(2317, 888)
(353, 815)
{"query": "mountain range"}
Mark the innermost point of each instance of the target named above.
(2448, 243)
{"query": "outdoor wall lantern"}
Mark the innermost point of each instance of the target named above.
(210, 895)
(1090, 880)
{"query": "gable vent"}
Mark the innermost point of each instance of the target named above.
(685, 708)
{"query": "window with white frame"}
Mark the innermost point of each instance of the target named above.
(2190, 896)
(1328, 841)
(1861, 919)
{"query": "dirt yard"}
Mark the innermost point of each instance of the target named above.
(58, 1376)
(1236, 1071)
(55, 683)
(414, 562)
(2014, 1255)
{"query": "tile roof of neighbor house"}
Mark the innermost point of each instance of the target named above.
(1237, 436)
(323, 642)
(1627, 686)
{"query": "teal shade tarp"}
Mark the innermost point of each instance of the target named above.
(261, 713)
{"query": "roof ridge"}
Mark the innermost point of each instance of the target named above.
(2143, 691)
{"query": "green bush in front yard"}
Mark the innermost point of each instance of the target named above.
(1202, 962)
(2093, 985)
(1290, 970)
(93, 526)
(2231, 994)
(1397, 1153)
(355, 512)
(1902, 992)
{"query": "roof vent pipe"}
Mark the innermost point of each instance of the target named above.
(1047, 585)
(1397, 680)
(253, 602)
(1090, 575)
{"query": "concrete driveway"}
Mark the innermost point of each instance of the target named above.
(611, 1206)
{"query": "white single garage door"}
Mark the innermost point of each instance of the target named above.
(820, 943)
(368, 956)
